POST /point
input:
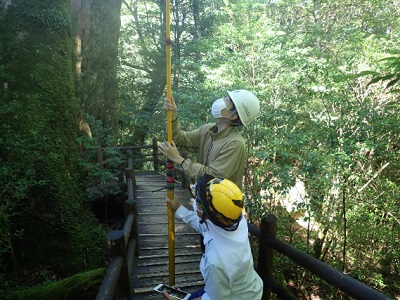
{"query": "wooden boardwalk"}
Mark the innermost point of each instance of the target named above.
(151, 267)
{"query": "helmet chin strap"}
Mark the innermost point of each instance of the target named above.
(203, 218)
(222, 122)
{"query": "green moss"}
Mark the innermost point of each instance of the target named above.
(78, 287)
(40, 179)
(52, 18)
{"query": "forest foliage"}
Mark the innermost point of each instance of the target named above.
(323, 155)
(325, 146)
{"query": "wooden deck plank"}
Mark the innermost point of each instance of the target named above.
(151, 266)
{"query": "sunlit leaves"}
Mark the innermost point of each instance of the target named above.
(319, 123)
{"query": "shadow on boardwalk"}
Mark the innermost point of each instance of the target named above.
(151, 267)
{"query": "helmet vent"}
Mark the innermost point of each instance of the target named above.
(238, 203)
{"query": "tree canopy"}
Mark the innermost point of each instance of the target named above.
(325, 146)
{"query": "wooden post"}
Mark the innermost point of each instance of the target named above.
(130, 185)
(130, 176)
(266, 253)
(155, 156)
(116, 247)
(130, 203)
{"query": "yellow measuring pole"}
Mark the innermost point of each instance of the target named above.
(170, 165)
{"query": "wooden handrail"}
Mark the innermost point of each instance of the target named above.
(268, 243)
(123, 246)
(110, 281)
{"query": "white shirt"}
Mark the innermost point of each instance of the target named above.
(227, 264)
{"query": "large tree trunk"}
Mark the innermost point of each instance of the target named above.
(41, 197)
(95, 34)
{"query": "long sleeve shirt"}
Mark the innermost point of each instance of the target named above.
(220, 154)
(221, 281)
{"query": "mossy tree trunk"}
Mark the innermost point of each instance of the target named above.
(95, 33)
(43, 221)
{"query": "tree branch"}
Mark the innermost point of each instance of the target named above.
(125, 63)
(373, 177)
(390, 214)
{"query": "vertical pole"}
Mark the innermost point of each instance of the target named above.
(171, 223)
(170, 164)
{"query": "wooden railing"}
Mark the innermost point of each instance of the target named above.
(123, 247)
(268, 244)
(154, 158)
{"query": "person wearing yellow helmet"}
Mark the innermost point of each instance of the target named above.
(221, 201)
(220, 146)
(227, 263)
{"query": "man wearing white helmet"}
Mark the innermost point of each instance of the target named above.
(220, 147)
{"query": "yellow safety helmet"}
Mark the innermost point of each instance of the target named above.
(221, 200)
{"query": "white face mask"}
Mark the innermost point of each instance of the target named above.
(217, 108)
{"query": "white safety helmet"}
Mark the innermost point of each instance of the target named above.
(247, 105)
